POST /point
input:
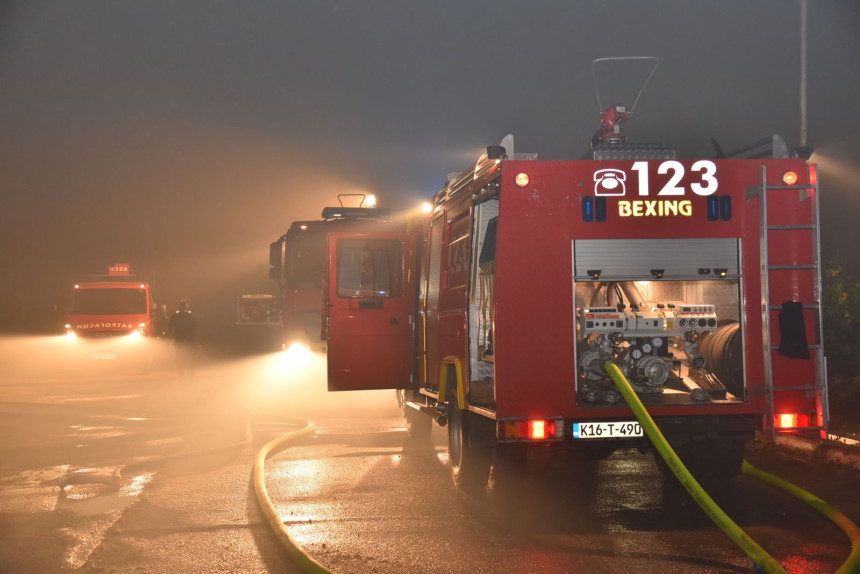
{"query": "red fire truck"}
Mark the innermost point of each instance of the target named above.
(698, 277)
(113, 316)
(297, 262)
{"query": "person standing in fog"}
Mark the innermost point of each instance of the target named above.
(183, 327)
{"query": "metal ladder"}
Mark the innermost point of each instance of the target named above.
(819, 385)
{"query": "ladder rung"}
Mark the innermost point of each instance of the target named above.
(778, 227)
(811, 347)
(784, 267)
(805, 306)
(785, 187)
(800, 388)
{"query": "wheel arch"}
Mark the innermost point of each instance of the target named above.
(457, 385)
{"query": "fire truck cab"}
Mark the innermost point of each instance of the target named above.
(297, 261)
(114, 317)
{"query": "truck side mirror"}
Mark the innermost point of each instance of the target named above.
(276, 260)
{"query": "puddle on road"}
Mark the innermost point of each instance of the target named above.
(101, 496)
(121, 418)
(163, 441)
(31, 490)
(97, 432)
(85, 399)
(100, 492)
(98, 497)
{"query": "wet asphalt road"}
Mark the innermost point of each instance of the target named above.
(156, 475)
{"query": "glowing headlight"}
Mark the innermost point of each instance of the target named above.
(297, 353)
(139, 332)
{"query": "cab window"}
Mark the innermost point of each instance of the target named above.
(369, 268)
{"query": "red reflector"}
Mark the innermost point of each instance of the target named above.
(813, 175)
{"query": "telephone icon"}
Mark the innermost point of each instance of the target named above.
(609, 182)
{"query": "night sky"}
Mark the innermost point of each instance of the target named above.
(184, 137)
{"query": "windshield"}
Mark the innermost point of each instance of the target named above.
(306, 260)
(108, 301)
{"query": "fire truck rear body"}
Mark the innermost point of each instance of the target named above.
(532, 273)
(698, 278)
(549, 263)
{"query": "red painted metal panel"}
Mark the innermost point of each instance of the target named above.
(369, 328)
(535, 363)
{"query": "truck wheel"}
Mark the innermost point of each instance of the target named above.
(470, 466)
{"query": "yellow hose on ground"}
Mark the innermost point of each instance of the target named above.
(294, 549)
(714, 512)
(852, 564)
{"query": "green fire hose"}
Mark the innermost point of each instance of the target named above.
(852, 564)
(714, 512)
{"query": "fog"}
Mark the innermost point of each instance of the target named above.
(264, 386)
(184, 137)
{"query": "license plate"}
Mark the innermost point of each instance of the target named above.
(618, 429)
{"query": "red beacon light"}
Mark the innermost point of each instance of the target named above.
(813, 175)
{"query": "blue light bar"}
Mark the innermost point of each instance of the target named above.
(588, 209)
(725, 208)
(600, 209)
(713, 208)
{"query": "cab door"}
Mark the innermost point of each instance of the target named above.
(369, 309)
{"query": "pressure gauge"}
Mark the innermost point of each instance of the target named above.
(657, 342)
(646, 348)
(637, 353)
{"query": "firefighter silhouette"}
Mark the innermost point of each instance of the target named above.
(183, 327)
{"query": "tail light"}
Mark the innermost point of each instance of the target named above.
(531, 430)
(787, 421)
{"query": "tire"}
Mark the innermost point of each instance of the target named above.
(470, 466)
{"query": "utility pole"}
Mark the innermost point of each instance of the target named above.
(803, 10)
